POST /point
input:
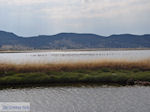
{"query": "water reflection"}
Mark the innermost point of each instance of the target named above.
(74, 56)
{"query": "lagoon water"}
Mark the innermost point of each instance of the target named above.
(81, 99)
(73, 56)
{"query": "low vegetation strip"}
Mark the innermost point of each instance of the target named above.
(99, 72)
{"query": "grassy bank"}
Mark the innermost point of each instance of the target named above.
(98, 72)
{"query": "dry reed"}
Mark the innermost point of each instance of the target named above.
(113, 64)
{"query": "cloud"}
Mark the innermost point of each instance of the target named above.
(95, 8)
(74, 15)
(74, 9)
(21, 2)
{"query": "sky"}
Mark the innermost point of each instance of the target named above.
(47, 17)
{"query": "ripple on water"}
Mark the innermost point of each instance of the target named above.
(82, 99)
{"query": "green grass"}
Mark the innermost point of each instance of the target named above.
(94, 76)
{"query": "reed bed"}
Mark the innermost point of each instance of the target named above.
(68, 66)
(99, 71)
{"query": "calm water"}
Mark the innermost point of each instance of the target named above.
(82, 99)
(73, 56)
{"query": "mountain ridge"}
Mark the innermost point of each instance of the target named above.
(9, 40)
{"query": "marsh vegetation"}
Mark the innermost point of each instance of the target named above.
(98, 72)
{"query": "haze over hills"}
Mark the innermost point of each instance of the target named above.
(73, 41)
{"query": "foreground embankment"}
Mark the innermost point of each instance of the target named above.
(96, 72)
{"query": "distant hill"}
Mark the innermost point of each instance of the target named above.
(73, 41)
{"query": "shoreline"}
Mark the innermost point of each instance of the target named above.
(31, 86)
(82, 84)
(70, 50)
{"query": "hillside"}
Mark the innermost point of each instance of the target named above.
(73, 41)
